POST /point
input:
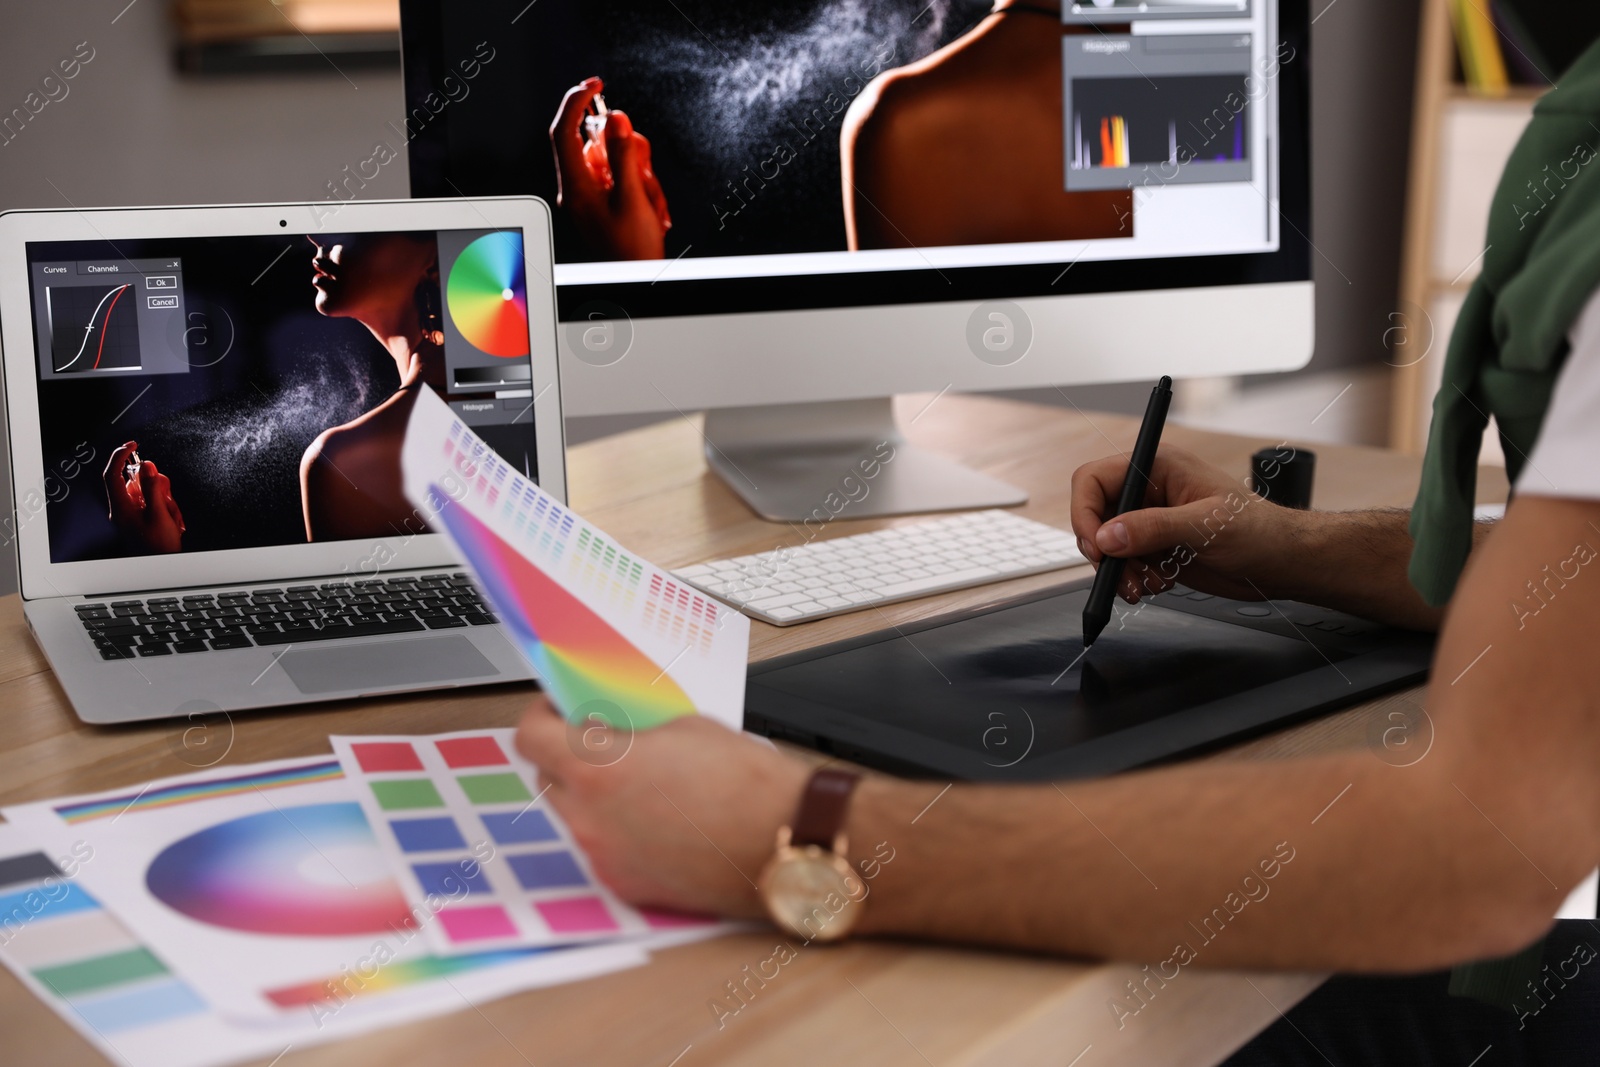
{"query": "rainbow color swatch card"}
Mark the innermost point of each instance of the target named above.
(612, 637)
(265, 891)
(459, 816)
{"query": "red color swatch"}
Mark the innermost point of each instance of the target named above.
(377, 756)
(471, 752)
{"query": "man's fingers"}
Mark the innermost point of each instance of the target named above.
(1155, 530)
(566, 133)
(542, 739)
(1144, 578)
(1091, 484)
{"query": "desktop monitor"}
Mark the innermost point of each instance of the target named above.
(786, 213)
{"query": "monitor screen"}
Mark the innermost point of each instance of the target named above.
(244, 392)
(707, 157)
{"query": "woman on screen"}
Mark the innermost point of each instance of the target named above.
(967, 146)
(350, 485)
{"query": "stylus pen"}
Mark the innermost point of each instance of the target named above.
(1097, 612)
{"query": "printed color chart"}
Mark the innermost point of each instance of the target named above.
(460, 819)
(266, 889)
(611, 636)
(116, 991)
(87, 966)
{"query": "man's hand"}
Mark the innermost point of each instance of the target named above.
(1205, 529)
(684, 818)
(139, 502)
(1198, 525)
(608, 184)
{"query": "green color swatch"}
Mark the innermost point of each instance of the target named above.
(494, 788)
(68, 979)
(406, 793)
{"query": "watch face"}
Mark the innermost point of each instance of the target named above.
(812, 893)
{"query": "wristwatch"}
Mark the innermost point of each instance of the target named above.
(808, 886)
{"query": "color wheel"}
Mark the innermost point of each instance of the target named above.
(314, 870)
(579, 656)
(488, 295)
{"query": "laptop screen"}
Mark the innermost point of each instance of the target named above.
(206, 394)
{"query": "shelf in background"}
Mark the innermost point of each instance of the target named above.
(260, 36)
(1513, 94)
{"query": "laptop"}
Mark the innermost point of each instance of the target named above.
(206, 407)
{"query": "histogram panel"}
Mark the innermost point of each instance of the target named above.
(1177, 119)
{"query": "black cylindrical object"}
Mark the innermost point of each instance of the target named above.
(1283, 475)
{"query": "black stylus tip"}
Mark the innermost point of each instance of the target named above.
(1091, 630)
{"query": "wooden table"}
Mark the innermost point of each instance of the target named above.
(881, 1003)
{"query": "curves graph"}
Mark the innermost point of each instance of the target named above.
(93, 328)
(488, 296)
(582, 661)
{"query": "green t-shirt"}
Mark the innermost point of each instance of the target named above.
(1541, 266)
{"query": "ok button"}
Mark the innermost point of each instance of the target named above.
(160, 281)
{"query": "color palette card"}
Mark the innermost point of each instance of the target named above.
(98, 976)
(94, 972)
(612, 637)
(265, 888)
(462, 823)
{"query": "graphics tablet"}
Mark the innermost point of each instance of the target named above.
(1006, 693)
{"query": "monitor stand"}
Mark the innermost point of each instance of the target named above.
(841, 459)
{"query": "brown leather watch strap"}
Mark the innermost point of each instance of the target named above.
(824, 803)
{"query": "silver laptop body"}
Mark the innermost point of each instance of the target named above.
(259, 359)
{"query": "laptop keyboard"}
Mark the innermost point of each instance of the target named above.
(295, 614)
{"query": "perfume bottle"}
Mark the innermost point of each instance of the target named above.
(594, 142)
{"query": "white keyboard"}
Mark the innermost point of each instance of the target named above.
(798, 584)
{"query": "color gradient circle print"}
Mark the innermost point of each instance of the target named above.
(311, 871)
(488, 295)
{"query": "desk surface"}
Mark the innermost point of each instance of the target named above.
(884, 1003)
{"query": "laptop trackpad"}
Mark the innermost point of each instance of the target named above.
(340, 667)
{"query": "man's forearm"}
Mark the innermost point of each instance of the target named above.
(1341, 862)
(1356, 561)
(1462, 849)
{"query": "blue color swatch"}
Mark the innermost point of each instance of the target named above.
(547, 870)
(520, 829)
(142, 1006)
(57, 898)
(427, 835)
(447, 879)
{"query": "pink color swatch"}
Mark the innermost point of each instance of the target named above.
(471, 752)
(376, 756)
(576, 915)
(477, 924)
